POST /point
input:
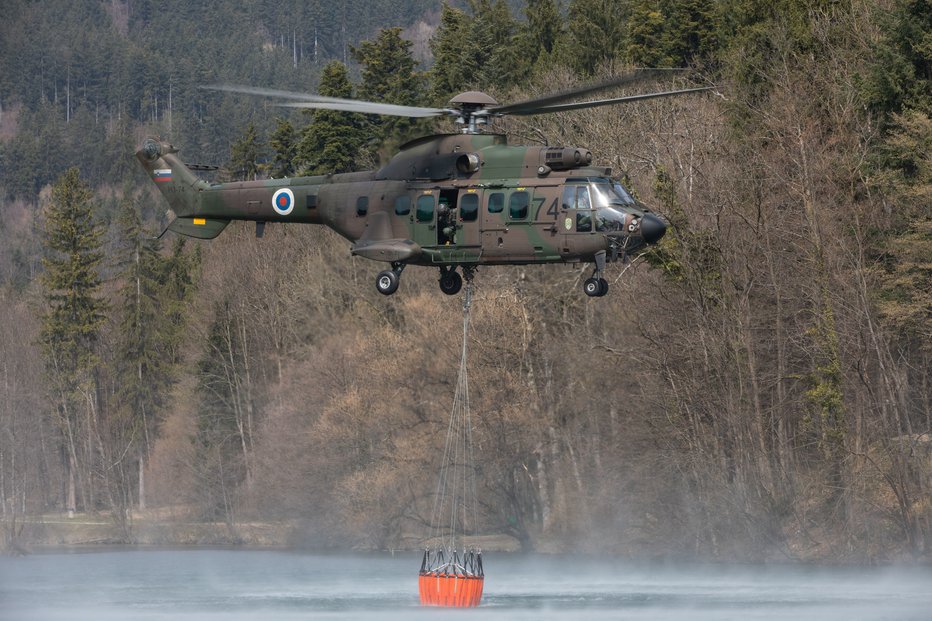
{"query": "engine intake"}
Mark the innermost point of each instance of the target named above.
(564, 158)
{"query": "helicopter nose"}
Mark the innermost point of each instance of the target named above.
(652, 228)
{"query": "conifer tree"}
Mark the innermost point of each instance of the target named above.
(244, 155)
(143, 361)
(331, 142)
(595, 34)
(284, 148)
(544, 26)
(456, 55)
(646, 37)
(504, 60)
(389, 76)
(74, 313)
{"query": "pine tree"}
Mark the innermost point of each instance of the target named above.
(71, 324)
(595, 34)
(694, 24)
(389, 76)
(646, 35)
(544, 26)
(456, 55)
(144, 366)
(284, 149)
(504, 60)
(332, 141)
(244, 155)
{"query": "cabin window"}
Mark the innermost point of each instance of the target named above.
(517, 205)
(496, 202)
(425, 208)
(469, 207)
(362, 206)
(402, 205)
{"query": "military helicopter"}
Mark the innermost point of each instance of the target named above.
(450, 201)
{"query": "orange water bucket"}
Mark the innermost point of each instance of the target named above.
(451, 590)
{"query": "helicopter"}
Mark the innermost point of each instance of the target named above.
(449, 201)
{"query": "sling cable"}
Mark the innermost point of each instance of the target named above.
(450, 575)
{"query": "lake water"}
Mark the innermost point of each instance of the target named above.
(236, 585)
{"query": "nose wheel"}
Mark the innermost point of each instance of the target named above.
(596, 286)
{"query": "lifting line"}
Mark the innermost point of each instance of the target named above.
(448, 576)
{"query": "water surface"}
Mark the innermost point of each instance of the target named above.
(236, 585)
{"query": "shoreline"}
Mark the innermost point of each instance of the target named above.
(52, 534)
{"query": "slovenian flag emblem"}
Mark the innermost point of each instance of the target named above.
(162, 174)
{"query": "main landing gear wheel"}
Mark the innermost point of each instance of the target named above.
(387, 282)
(450, 282)
(595, 287)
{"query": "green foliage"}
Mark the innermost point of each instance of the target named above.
(389, 76)
(244, 156)
(151, 320)
(595, 34)
(91, 75)
(485, 50)
(284, 144)
(544, 27)
(74, 314)
(688, 256)
(905, 176)
(900, 71)
(669, 33)
(824, 384)
(456, 55)
(331, 142)
(504, 57)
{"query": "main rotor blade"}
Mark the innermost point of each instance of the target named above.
(603, 102)
(266, 92)
(369, 107)
(554, 98)
(307, 100)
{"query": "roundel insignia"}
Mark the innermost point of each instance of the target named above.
(568, 223)
(283, 201)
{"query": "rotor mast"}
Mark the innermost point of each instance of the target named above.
(471, 108)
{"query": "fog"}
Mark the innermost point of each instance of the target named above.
(236, 585)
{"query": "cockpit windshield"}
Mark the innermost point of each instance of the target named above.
(607, 193)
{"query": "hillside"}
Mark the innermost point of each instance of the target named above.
(755, 387)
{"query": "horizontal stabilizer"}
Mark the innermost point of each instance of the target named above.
(387, 249)
(200, 228)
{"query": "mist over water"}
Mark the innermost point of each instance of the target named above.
(236, 585)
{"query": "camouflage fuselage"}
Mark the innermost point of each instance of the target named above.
(442, 200)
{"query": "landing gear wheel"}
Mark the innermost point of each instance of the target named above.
(450, 282)
(593, 287)
(387, 282)
(603, 287)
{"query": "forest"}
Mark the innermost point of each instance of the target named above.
(758, 386)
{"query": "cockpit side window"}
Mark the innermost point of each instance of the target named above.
(569, 197)
(583, 213)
